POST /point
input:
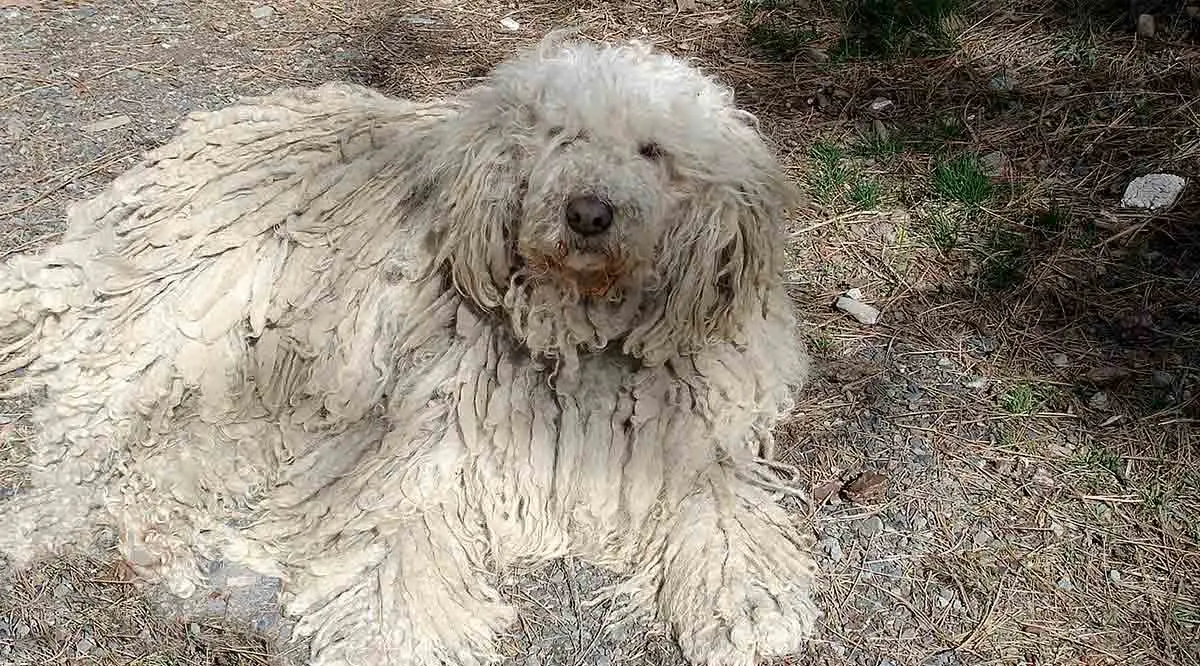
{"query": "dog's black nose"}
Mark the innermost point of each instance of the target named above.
(588, 216)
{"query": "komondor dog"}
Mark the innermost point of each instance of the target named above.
(383, 349)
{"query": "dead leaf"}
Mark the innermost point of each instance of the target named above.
(824, 491)
(866, 487)
(1107, 375)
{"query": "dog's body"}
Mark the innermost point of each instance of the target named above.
(356, 342)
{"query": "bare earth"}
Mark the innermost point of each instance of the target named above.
(1004, 469)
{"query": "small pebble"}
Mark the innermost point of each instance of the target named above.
(510, 24)
(1065, 584)
(982, 538)
(1003, 82)
(865, 314)
(976, 383)
(993, 163)
(1060, 360)
(870, 527)
(1099, 400)
(263, 12)
(84, 646)
(880, 103)
(1162, 379)
(1058, 530)
(1114, 576)
(816, 55)
(832, 548)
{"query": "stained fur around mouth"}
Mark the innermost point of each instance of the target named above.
(555, 266)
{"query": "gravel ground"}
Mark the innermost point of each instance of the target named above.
(974, 501)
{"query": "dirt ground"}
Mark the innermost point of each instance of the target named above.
(1005, 467)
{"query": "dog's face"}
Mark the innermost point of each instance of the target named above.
(623, 198)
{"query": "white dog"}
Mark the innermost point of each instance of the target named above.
(383, 349)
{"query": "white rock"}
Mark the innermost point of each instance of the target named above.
(262, 12)
(865, 314)
(854, 293)
(1153, 191)
(1060, 360)
(1099, 400)
(510, 24)
(880, 103)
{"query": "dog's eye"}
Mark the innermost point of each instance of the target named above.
(650, 151)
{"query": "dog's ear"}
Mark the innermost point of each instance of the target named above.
(720, 261)
(479, 186)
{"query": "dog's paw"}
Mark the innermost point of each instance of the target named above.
(750, 623)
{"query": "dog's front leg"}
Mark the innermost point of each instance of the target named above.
(737, 575)
(409, 593)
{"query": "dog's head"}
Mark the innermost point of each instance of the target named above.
(611, 195)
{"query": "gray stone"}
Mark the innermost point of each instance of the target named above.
(1003, 82)
(943, 658)
(870, 527)
(865, 314)
(982, 538)
(1065, 584)
(1099, 400)
(1060, 360)
(976, 383)
(84, 646)
(832, 548)
(816, 55)
(993, 163)
(263, 12)
(1162, 379)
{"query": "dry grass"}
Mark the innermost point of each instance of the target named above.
(1029, 521)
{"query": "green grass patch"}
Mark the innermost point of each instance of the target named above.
(887, 28)
(866, 193)
(1106, 460)
(775, 30)
(822, 344)
(1004, 260)
(1052, 221)
(962, 179)
(1021, 398)
(933, 136)
(828, 177)
(945, 231)
(875, 147)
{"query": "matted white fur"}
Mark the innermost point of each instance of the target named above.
(350, 341)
